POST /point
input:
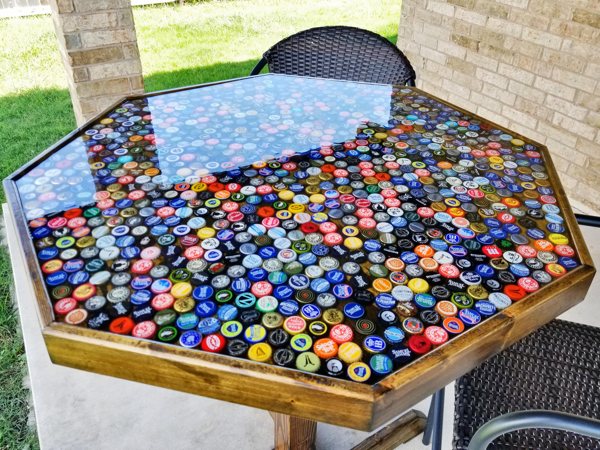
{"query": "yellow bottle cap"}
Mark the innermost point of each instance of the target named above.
(296, 208)
(333, 316)
(199, 187)
(418, 285)
(350, 231)
(206, 232)
(181, 289)
(359, 371)
(183, 305)
(353, 243)
(558, 239)
(350, 352)
(286, 195)
(317, 198)
(260, 352)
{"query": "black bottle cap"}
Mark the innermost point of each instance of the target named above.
(249, 317)
(237, 347)
(278, 337)
(284, 357)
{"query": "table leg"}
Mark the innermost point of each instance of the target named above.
(294, 433)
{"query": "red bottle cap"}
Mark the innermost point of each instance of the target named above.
(213, 343)
(122, 325)
(65, 306)
(436, 335)
(419, 344)
(144, 330)
(529, 284)
(341, 333)
(514, 292)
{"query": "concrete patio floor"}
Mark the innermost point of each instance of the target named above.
(80, 410)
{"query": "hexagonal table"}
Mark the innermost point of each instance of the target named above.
(326, 250)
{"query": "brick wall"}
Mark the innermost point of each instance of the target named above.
(530, 65)
(98, 44)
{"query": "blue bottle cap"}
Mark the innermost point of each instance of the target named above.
(73, 265)
(485, 308)
(299, 281)
(79, 277)
(374, 344)
(41, 232)
(257, 274)
(141, 297)
(227, 312)
(385, 301)
(342, 291)
(310, 311)
(353, 310)
(469, 316)
(190, 339)
(335, 276)
(283, 292)
(320, 285)
(288, 308)
(409, 257)
(56, 278)
(206, 308)
(519, 270)
(394, 335)
(307, 258)
(484, 270)
(47, 253)
(565, 261)
(209, 325)
(203, 292)
(240, 285)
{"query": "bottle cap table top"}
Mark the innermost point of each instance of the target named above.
(334, 227)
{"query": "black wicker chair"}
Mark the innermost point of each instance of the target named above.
(467, 393)
(343, 53)
(557, 368)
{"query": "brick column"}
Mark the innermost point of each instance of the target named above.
(98, 45)
(530, 65)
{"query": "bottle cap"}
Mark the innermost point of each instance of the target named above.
(359, 371)
(308, 362)
(260, 352)
(301, 342)
(349, 352)
(325, 348)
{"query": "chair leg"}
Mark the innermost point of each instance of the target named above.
(429, 425)
(435, 421)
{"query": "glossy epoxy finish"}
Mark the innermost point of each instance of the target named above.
(366, 224)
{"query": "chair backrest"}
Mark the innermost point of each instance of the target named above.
(343, 53)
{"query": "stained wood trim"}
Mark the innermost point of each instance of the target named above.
(14, 214)
(262, 386)
(400, 431)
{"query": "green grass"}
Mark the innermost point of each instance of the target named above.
(179, 46)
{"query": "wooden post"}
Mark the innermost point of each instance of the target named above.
(294, 433)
